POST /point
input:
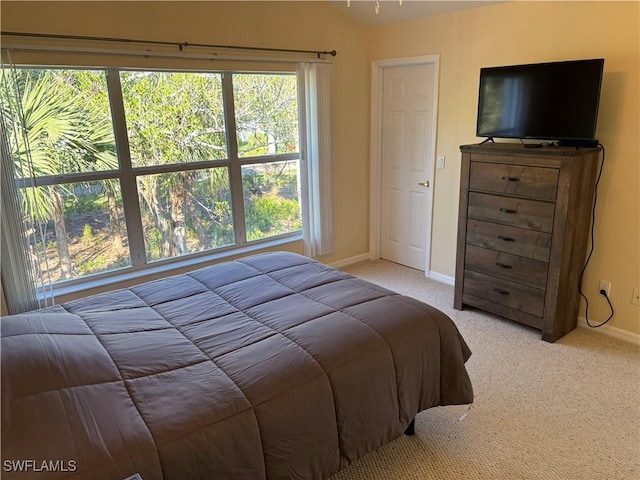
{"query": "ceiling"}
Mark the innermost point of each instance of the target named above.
(363, 11)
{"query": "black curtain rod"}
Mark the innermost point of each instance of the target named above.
(180, 45)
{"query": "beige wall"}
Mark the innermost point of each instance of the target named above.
(524, 32)
(516, 32)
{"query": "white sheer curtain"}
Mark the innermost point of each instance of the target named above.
(23, 286)
(314, 87)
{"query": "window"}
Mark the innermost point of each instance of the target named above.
(128, 168)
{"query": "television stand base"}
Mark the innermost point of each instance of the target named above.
(579, 143)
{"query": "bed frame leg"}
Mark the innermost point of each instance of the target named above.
(411, 429)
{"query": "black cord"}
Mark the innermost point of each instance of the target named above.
(593, 223)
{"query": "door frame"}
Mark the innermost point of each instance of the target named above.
(375, 159)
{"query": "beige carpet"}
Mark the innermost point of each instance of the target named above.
(568, 410)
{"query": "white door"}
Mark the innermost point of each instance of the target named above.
(407, 164)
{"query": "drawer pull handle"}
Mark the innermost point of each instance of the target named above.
(508, 210)
(501, 292)
(503, 265)
(506, 239)
(511, 179)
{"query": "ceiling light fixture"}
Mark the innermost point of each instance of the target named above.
(376, 5)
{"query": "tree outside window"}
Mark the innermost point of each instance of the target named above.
(177, 127)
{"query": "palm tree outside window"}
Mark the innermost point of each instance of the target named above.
(130, 167)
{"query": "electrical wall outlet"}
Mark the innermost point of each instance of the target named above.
(604, 285)
(636, 296)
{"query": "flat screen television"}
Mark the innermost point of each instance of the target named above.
(555, 101)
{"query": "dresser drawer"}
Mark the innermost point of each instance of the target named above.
(513, 211)
(506, 266)
(523, 232)
(502, 292)
(517, 241)
(532, 182)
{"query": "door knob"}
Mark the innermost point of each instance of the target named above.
(425, 184)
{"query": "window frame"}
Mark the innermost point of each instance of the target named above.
(126, 176)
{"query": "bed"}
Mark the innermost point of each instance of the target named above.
(272, 366)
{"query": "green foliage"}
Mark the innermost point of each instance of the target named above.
(101, 263)
(95, 265)
(62, 131)
(154, 244)
(271, 215)
(87, 233)
(271, 199)
(222, 224)
(84, 199)
(266, 108)
(172, 118)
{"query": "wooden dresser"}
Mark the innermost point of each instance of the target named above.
(523, 227)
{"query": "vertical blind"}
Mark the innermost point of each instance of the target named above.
(24, 288)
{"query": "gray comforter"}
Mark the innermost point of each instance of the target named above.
(273, 366)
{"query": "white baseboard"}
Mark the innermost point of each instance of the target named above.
(439, 277)
(612, 332)
(350, 261)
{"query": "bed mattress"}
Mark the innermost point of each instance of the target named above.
(272, 366)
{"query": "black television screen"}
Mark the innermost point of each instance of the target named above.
(552, 101)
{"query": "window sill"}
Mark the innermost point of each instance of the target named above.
(119, 279)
